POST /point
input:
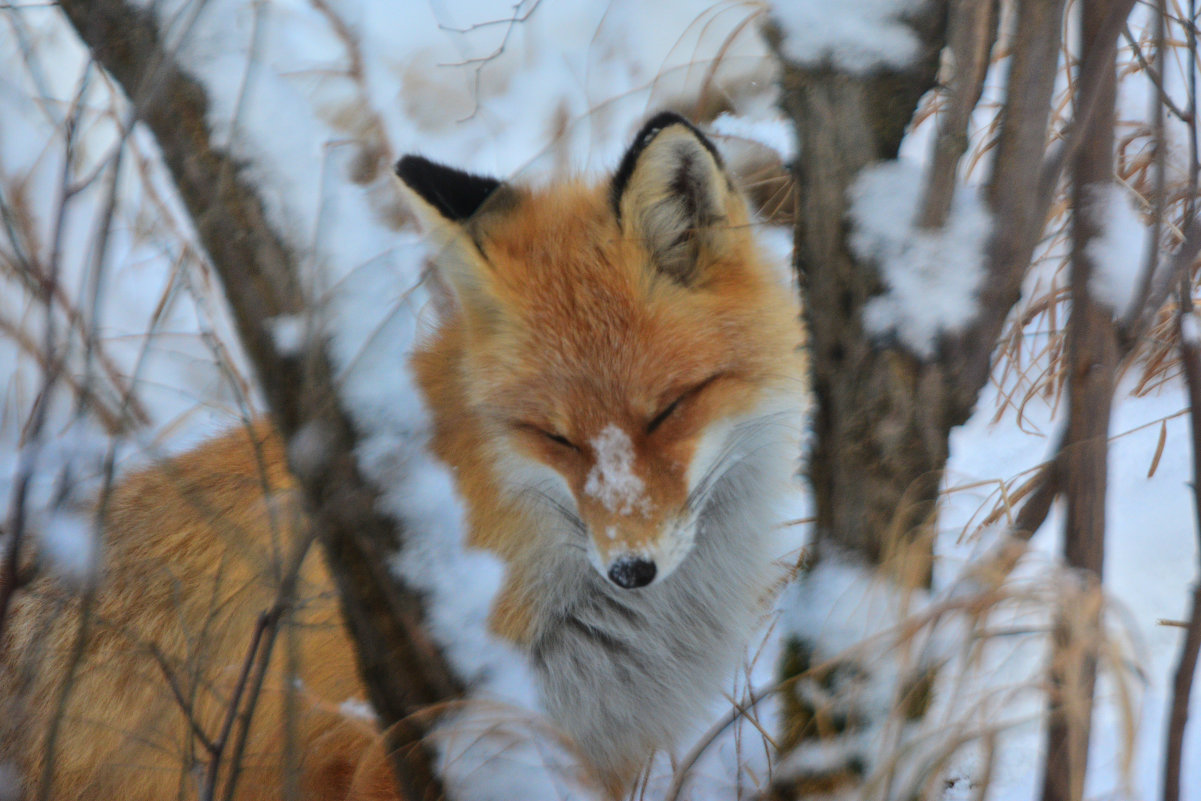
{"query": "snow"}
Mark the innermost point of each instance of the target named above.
(69, 541)
(359, 709)
(1119, 251)
(570, 87)
(611, 480)
(931, 276)
(771, 130)
(288, 333)
(1190, 329)
(858, 36)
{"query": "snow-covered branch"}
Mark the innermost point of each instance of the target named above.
(403, 669)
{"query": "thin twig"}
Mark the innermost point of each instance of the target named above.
(972, 31)
(737, 710)
(479, 62)
(284, 600)
(1097, 65)
(1151, 259)
(1154, 73)
(1186, 668)
(184, 702)
(266, 621)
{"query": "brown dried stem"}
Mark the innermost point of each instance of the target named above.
(971, 33)
(1186, 667)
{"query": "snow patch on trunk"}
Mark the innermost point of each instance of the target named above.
(932, 275)
(1117, 251)
(856, 36)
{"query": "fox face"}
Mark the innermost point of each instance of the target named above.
(614, 337)
(613, 342)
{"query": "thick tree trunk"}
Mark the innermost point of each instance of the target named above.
(879, 447)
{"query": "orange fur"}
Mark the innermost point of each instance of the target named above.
(557, 263)
(193, 553)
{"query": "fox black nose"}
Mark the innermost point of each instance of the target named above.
(632, 573)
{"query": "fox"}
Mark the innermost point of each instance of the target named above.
(615, 380)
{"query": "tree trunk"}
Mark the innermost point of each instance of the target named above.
(879, 445)
(1092, 365)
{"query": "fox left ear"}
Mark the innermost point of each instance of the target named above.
(455, 207)
(671, 191)
(453, 195)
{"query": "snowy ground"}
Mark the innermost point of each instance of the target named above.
(564, 91)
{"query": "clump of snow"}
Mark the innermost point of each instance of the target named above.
(1118, 251)
(373, 320)
(309, 449)
(612, 480)
(931, 276)
(1190, 329)
(845, 616)
(870, 644)
(359, 709)
(70, 544)
(288, 333)
(772, 131)
(58, 474)
(857, 36)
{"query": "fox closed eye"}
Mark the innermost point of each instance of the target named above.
(662, 417)
(558, 439)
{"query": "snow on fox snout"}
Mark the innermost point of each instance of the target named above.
(637, 536)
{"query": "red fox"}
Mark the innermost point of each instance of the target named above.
(615, 381)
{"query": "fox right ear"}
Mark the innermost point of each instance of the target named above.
(672, 193)
(452, 207)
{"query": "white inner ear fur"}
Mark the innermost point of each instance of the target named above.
(455, 261)
(675, 192)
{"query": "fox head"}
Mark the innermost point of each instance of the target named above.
(617, 351)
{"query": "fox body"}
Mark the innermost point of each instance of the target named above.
(615, 381)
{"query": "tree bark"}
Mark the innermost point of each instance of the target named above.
(1186, 666)
(401, 666)
(1092, 365)
(875, 468)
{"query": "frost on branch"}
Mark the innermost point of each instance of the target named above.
(931, 275)
(1117, 251)
(856, 36)
(486, 747)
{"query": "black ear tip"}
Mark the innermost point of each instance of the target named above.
(406, 165)
(662, 120)
(651, 129)
(666, 119)
(413, 169)
(454, 193)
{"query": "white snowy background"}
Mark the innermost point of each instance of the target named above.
(310, 91)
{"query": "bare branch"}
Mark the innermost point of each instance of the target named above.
(479, 62)
(1155, 73)
(1160, 286)
(1023, 183)
(971, 32)
(403, 670)
(1186, 667)
(1151, 260)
